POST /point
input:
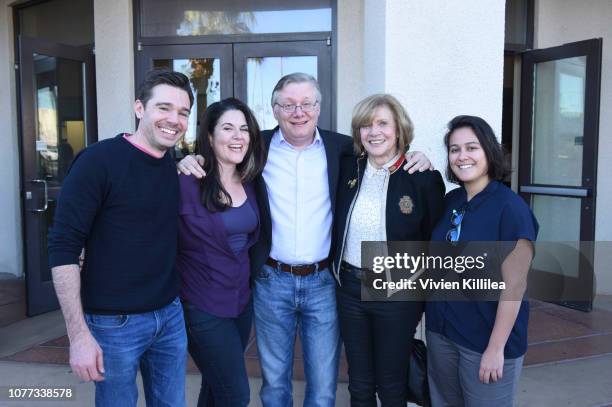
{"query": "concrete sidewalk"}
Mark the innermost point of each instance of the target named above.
(577, 383)
(48, 375)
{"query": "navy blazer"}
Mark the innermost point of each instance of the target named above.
(336, 146)
(423, 192)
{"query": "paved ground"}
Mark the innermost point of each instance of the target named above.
(35, 374)
(579, 383)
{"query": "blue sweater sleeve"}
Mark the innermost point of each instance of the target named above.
(80, 199)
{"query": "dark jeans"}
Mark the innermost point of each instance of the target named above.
(217, 347)
(377, 339)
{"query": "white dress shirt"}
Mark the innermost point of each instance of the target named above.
(300, 206)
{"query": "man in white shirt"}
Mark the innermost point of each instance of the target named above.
(294, 289)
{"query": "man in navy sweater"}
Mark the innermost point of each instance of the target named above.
(119, 201)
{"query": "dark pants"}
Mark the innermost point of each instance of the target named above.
(378, 341)
(217, 347)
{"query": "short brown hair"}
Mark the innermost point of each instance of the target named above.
(494, 152)
(163, 76)
(363, 114)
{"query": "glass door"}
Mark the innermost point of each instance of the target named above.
(57, 121)
(558, 164)
(209, 68)
(259, 66)
(247, 71)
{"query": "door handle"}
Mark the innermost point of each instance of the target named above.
(573, 192)
(46, 205)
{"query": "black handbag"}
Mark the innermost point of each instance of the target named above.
(418, 387)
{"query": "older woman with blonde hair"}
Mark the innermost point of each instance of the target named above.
(379, 202)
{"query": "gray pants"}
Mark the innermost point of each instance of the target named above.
(452, 371)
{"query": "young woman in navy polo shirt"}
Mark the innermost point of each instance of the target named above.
(476, 348)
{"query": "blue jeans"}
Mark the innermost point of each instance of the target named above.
(217, 347)
(156, 342)
(285, 303)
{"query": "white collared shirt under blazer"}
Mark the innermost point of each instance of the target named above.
(300, 206)
(368, 219)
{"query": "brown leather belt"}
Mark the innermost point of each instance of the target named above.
(298, 269)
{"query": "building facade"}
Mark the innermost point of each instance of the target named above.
(550, 104)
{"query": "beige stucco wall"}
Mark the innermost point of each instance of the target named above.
(375, 39)
(439, 58)
(11, 248)
(441, 63)
(561, 21)
(114, 66)
(349, 67)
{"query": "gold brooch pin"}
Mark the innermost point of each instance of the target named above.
(406, 205)
(352, 183)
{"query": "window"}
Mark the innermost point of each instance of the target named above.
(161, 18)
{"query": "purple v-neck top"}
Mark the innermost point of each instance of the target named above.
(214, 278)
(240, 222)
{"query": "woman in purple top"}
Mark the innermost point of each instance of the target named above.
(218, 223)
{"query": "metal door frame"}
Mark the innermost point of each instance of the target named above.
(40, 295)
(320, 49)
(587, 192)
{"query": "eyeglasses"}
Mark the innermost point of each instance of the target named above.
(306, 107)
(455, 231)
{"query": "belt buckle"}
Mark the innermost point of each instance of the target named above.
(296, 267)
(303, 266)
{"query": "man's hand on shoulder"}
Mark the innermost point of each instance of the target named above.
(86, 358)
(417, 161)
(192, 165)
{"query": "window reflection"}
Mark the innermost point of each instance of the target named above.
(60, 125)
(559, 219)
(205, 77)
(558, 121)
(215, 22)
(46, 143)
(571, 97)
(209, 17)
(262, 75)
